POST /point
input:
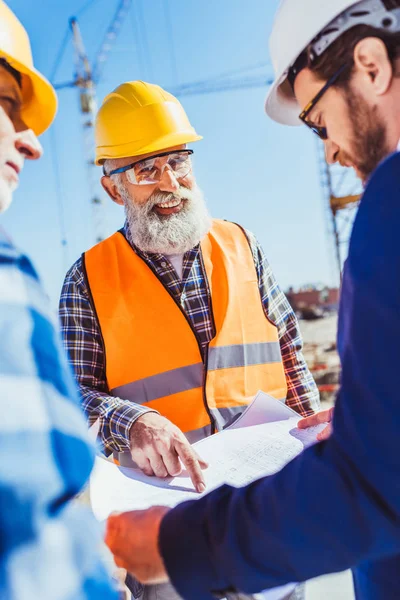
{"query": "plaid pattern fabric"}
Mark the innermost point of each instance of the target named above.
(83, 341)
(48, 544)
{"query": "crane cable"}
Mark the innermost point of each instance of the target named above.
(85, 7)
(145, 43)
(55, 158)
(136, 40)
(172, 55)
(60, 196)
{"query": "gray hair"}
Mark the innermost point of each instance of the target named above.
(109, 165)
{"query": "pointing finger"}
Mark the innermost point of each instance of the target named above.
(191, 462)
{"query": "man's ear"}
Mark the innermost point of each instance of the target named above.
(111, 190)
(372, 61)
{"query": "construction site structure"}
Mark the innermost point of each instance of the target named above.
(341, 191)
(85, 80)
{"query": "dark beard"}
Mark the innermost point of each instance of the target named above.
(369, 146)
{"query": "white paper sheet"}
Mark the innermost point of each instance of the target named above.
(237, 456)
(263, 409)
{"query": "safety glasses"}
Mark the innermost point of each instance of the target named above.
(320, 131)
(149, 170)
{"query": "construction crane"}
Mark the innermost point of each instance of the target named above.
(85, 80)
(341, 194)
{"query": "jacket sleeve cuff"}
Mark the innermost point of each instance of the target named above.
(121, 421)
(188, 559)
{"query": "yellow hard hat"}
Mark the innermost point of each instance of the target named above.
(39, 100)
(138, 118)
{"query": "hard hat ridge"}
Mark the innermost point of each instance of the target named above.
(139, 118)
(314, 27)
(367, 12)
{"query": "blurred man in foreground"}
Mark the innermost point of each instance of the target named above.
(48, 545)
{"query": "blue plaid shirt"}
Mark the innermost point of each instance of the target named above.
(83, 341)
(48, 544)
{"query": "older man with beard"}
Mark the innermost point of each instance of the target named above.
(175, 322)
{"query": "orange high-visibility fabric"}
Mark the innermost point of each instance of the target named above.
(146, 334)
(239, 319)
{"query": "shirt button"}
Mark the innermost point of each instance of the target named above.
(183, 297)
(164, 264)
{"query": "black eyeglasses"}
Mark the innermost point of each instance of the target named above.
(321, 132)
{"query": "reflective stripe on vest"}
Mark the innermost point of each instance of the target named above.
(187, 378)
(152, 353)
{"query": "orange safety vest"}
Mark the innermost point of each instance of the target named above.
(152, 353)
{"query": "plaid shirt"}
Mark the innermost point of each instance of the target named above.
(83, 340)
(48, 544)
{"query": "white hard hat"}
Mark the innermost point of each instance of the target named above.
(298, 23)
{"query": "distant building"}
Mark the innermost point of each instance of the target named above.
(313, 297)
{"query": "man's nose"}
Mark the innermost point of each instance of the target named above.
(28, 145)
(331, 152)
(168, 181)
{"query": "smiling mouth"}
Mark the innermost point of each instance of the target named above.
(169, 208)
(170, 204)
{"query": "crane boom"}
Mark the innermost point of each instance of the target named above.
(85, 79)
(110, 37)
(211, 87)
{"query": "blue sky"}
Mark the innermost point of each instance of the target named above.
(253, 171)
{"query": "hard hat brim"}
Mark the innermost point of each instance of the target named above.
(281, 104)
(39, 106)
(159, 145)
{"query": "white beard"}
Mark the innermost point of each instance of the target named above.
(169, 234)
(6, 194)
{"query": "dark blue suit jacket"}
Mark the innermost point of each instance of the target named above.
(338, 504)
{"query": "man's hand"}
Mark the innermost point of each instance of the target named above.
(158, 447)
(133, 539)
(325, 416)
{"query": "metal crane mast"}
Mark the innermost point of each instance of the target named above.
(85, 80)
(342, 193)
(88, 108)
